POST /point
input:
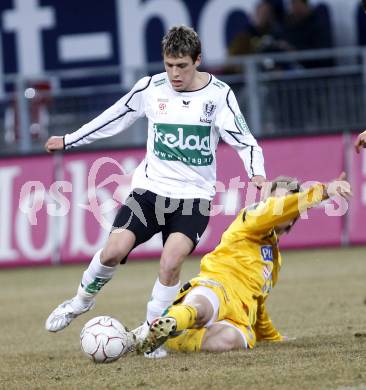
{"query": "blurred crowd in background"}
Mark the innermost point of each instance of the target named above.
(273, 28)
(316, 92)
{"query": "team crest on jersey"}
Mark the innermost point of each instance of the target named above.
(209, 108)
(267, 252)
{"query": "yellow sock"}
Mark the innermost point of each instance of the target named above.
(189, 341)
(185, 315)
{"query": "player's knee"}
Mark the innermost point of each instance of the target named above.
(227, 339)
(169, 273)
(112, 255)
(169, 267)
(204, 315)
(176, 248)
(231, 339)
(171, 257)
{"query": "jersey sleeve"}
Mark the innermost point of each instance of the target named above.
(235, 132)
(277, 210)
(263, 328)
(113, 120)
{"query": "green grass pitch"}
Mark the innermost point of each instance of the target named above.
(319, 299)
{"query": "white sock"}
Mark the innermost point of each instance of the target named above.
(94, 278)
(161, 298)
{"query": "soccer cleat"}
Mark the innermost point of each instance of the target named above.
(61, 317)
(159, 353)
(160, 330)
(141, 332)
(139, 335)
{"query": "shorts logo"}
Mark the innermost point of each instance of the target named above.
(267, 252)
(189, 144)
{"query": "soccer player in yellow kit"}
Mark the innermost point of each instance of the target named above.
(223, 308)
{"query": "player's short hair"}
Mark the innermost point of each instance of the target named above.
(181, 41)
(291, 184)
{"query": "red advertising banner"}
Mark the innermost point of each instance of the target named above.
(27, 234)
(60, 208)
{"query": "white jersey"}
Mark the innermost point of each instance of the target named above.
(183, 132)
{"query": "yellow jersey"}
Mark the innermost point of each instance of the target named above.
(247, 260)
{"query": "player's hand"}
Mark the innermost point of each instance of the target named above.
(258, 181)
(360, 142)
(54, 143)
(339, 186)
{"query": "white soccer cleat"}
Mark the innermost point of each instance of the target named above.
(141, 332)
(159, 353)
(61, 317)
(160, 330)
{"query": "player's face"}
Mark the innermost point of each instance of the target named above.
(182, 72)
(285, 227)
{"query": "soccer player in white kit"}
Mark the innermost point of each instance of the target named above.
(187, 111)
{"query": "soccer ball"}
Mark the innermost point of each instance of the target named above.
(104, 339)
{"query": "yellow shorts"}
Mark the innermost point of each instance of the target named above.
(231, 310)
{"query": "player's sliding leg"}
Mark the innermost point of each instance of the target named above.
(101, 269)
(188, 341)
(162, 296)
(199, 308)
(218, 337)
(221, 337)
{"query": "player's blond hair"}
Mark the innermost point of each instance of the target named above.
(291, 184)
(181, 41)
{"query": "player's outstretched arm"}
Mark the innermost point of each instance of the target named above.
(54, 144)
(339, 186)
(360, 141)
(264, 328)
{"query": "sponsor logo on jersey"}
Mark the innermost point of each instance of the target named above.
(159, 82)
(241, 124)
(267, 252)
(186, 103)
(189, 144)
(162, 108)
(205, 120)
(219, 84)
